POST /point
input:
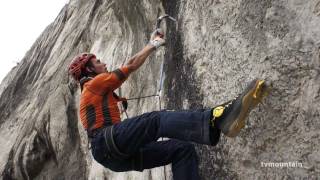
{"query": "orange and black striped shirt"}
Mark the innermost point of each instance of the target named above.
(98, 105)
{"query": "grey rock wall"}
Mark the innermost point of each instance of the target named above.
(212, 52)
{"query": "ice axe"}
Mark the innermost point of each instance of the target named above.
(160, 32)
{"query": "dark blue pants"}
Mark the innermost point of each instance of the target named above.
(138, 136)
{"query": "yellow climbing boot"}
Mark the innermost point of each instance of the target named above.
(230, 117)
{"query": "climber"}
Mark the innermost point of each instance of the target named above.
(132, 144)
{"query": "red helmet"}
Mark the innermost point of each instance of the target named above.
(78, 63)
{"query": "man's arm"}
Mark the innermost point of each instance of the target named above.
(137, 60)
(111, 81)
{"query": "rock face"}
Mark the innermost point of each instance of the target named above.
(212, 52)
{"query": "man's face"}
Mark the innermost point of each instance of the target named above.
(99, 67)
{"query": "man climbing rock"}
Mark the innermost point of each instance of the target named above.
(132, 144)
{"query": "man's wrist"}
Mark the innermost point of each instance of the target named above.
(150, 46)
(155, 43)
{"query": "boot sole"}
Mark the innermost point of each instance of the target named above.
(249, 101)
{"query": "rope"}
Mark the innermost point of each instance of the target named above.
(142, 97)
